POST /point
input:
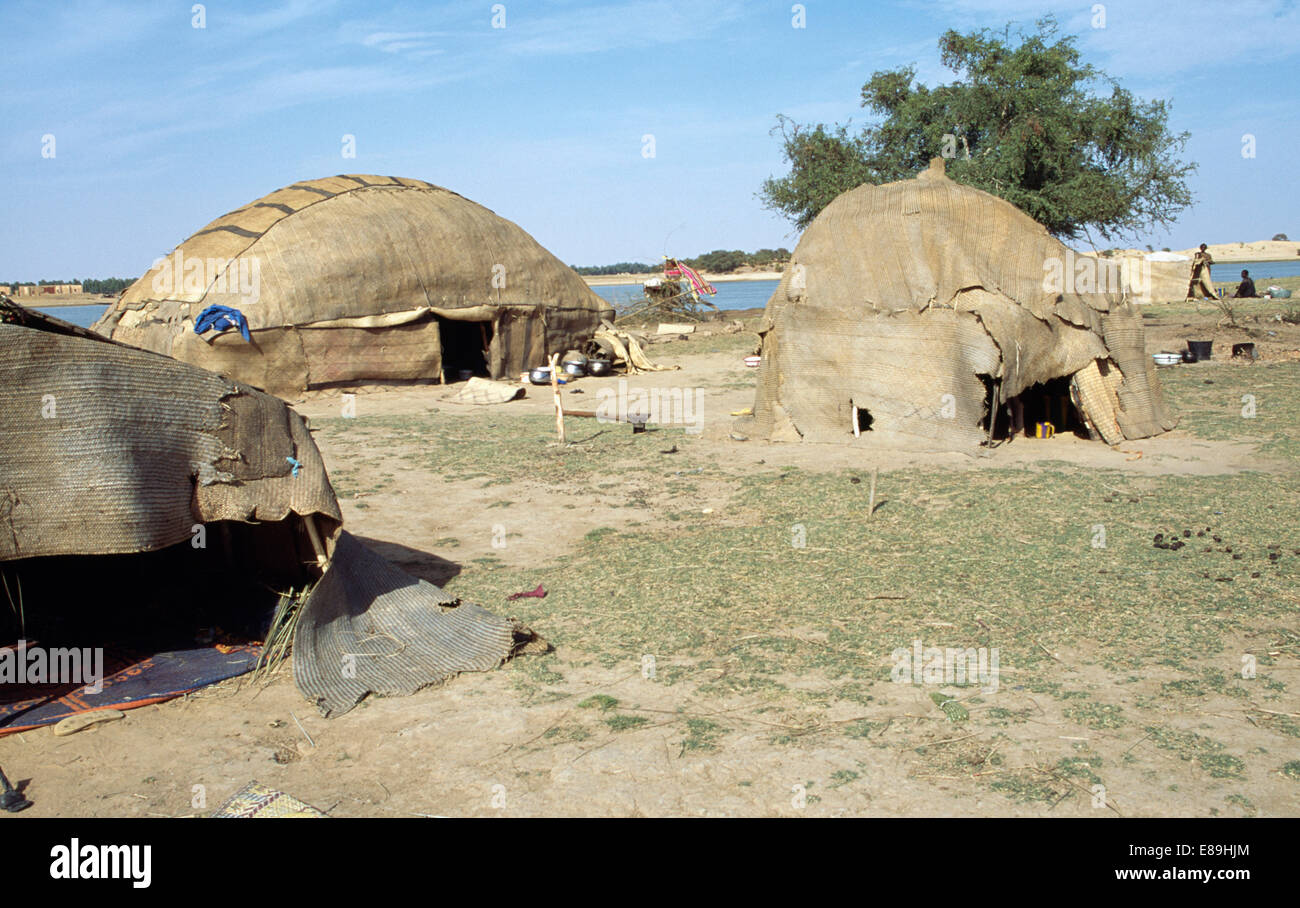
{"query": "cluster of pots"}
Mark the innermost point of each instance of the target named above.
(575, 365)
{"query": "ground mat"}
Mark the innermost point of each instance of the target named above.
(370, 627)
(129, 680)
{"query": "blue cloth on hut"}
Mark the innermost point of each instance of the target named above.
(221, 318)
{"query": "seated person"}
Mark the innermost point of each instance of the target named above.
(1247, 287)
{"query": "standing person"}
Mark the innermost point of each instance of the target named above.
(1247, 287)
(1201, 263)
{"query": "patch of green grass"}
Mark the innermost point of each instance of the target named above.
(1282, 724)
(1223, 766)
(1026, 787)
(1209, 753)
(983, 556)
(567, 733)
(862, 728)
(842, 777)
(1096, 715)
(701, 735)
(1080, 768)
(1291, 770)
(625, 723)
(603, 702)
(1242, 801)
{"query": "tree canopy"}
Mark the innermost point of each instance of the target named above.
(1025, 120)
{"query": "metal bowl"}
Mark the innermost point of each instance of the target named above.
(540, 375)
(598, 366)
(576, 369)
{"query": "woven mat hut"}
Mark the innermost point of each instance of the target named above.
(912, 311)
(134, 488)
(360, 278)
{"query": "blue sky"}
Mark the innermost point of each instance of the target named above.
(159, 126)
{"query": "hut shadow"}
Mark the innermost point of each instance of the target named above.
(424, 565)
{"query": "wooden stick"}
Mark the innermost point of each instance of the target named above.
(993, 412)
(871, 499)
(559, 404)
(322, 560)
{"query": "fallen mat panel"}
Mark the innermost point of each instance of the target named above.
(256, 800)
(130, 681)
(481, 391)
(369, 627)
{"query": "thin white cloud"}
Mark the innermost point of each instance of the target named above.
(398, 42)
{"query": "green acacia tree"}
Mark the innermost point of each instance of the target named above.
(1025, 120)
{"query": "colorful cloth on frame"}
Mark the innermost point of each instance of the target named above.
(698, 284)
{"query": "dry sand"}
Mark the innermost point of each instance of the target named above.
(1226, 253)
(444, 751)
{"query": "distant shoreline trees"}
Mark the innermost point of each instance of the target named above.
(88, 285)
(719, 261)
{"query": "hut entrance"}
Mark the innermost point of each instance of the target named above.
(1046, 402)
(1049, 402)
(862, 419)
(466, 348)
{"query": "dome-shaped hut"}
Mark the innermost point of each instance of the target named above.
(910, 312)
(352, 279)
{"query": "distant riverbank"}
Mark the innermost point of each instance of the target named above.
(606, 280)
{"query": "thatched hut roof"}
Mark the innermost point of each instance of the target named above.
(107, 449)
(354, 253)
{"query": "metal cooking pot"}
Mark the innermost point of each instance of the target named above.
(598, 366)
(540, 375)
(576, 369)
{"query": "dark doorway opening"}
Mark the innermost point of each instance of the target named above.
(157, 601)
(1049, 402)
(466, 348)
(1046, 402)
(861, 420)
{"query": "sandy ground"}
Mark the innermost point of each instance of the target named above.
(478, 745)
(1256, 251)
(75, 299)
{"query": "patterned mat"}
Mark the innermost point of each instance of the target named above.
(257, 800)
(130, 680)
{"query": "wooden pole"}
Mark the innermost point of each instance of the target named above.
(322, 560)
(993, 411)
(871, 498)
(559, 404)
